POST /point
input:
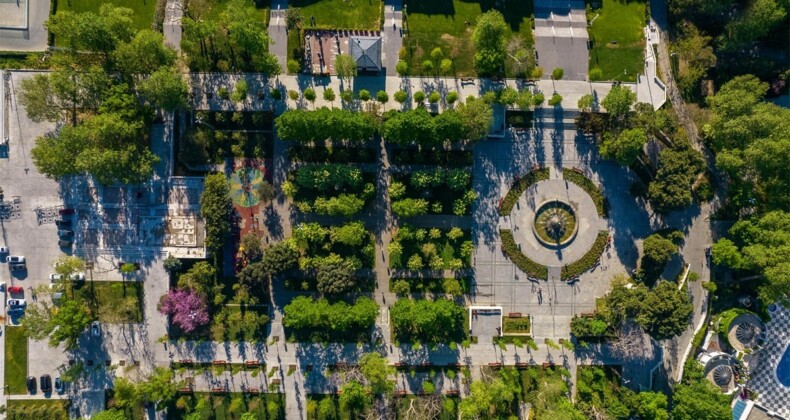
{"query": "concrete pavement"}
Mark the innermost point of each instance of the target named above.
(278, 33)
(25, 30)
(174, 11)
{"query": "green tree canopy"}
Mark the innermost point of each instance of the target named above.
(486, 400)
(700, 400)
(618, 102)
(216, 207)
(377, 372)
(490, 40)
(625, 147)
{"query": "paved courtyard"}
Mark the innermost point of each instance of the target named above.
(765, 364)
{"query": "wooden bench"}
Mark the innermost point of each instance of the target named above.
(514, 315)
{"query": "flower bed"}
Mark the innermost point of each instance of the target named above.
(577, 177)
(589, 259)
(516, 325)
(531, 268)
(519, 187)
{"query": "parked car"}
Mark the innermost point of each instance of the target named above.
(31, 384)
(59, 388)
(3, 250)
(57, 291)
(16, 289)
(46, 383)
(65, 211)
(95, 328)
(16, 267)
(55, 277)
(62, 243)
(61, 223)
(65, 233)
(78, 277)
(16, 302)
(15, 259)
(16, 310)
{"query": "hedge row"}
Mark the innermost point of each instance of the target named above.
(577, 177)
(519, 187)
(589, 259)
(523, 262)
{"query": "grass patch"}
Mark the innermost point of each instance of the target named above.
(29, 409)
(442, 24)
(142, 18)
(229, 406)
(621, 22)
(515, 325)
(589, 259)
(519, 187)
(15, 360)
(577, 177)
(524, 263)
(218, 6)
(341, 14)
(113, 302)
(12, 60)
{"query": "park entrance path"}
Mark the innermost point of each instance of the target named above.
(278, 33)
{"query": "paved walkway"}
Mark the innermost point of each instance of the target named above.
(649, 88)
(561, 37)
(33, 37)
(392, 35)
(174, 11)
(278, 34)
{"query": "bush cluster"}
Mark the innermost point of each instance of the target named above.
(337, 124)
(577, 177)
(519, 187)
(321, 245)
(531, 268)
(418, 248)
(320, 320)
(319, 154)
(426, 321)
(589, 259)
(418, 126)
(595, 328)
(438, 191)
(330, 189)
(433, 156)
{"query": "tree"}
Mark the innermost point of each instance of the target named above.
(446, 66)
(666, 311)
(759, 18)
(66, 265)
(490, 38)
(657, 251)
(329, 95)
(310, 95)
(434, 97)
(377, 373)
(401, 96)
(37, 321)
(248, 38)
(677, 171)
(354, 397)
(265, 191)
(346, 68)
(652, 406)
(187, 309)
(555, 99)
(144, 54)
(427, 321)
(171, 264)
(700, 400)
(410, 207)
(382, 97)
(419, 97)
(486, 399)
(215, 207)
(364, 95)
(199, 278)
(125, 393)
(335, 277)
(293, 66)
(159, 388)
(626, 147)
(280, 257)
(586, 103)
(402, 68)
(351, 234)
(41, 101)
(400, 287)
(89, 31)
(294, 95)
(112, 414)
(452, 97)
(557, 73)
(240, 91)
(618, 102)
(252, 245)
(293, 18)
(166, 89)
(255, 275)
(67, 323)
(477, 117)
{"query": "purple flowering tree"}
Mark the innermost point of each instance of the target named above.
(187, 309)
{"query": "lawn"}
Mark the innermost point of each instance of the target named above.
(28, 409)
(15, 360)
(229, 406)
(143, 17)
(442, 24)
(113, 302)
(341, 14)
(622, 22)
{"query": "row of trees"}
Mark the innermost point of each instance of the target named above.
(305, 313)
(426, 321)
(324, 123)
(106, 83)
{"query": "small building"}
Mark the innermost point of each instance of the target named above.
(366, 51)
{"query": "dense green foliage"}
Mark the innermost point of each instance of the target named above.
(429, 322)
(442, 191)
(657, 250)
(469, 122)
(319, 320)
(700, 400)
(677, 171)
(490, 38)
(330, 189)
(760, 245)
(599, 391)
(320, 245)
(589, 259)
(324, 123)
(216, 207)
(577, 177)
(434, 248)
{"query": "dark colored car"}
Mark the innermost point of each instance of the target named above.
(46, 384)
(16, 289)
(16, 267)
(31, 384)
(62, 243)
(66, 233)
(59, 386)
(65, 211)
(63, 223)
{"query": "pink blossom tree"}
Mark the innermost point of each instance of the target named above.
(187, 308)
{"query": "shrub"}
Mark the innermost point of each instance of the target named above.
(596, 74)
(589, 259)
(557, 73)
(401, 287)
(409, 207)
(575, 176)
(434, 97)
(555, 99)
(364, 95)
(519, 187)
(294, 66)
(419, 96)
(401, 96)
(382, 97)
(531, 268)
(452, 97)
(402, 68)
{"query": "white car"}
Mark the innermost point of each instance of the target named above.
(78, 276)
(15, 259)
(55, 277)
(3, 250)
(16, 302)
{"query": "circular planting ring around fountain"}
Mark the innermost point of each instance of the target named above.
(555, 223)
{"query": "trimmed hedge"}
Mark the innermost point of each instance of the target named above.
(726, 318)
(523, 262)
(519, 187)
(589, 259)
(577, 177)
